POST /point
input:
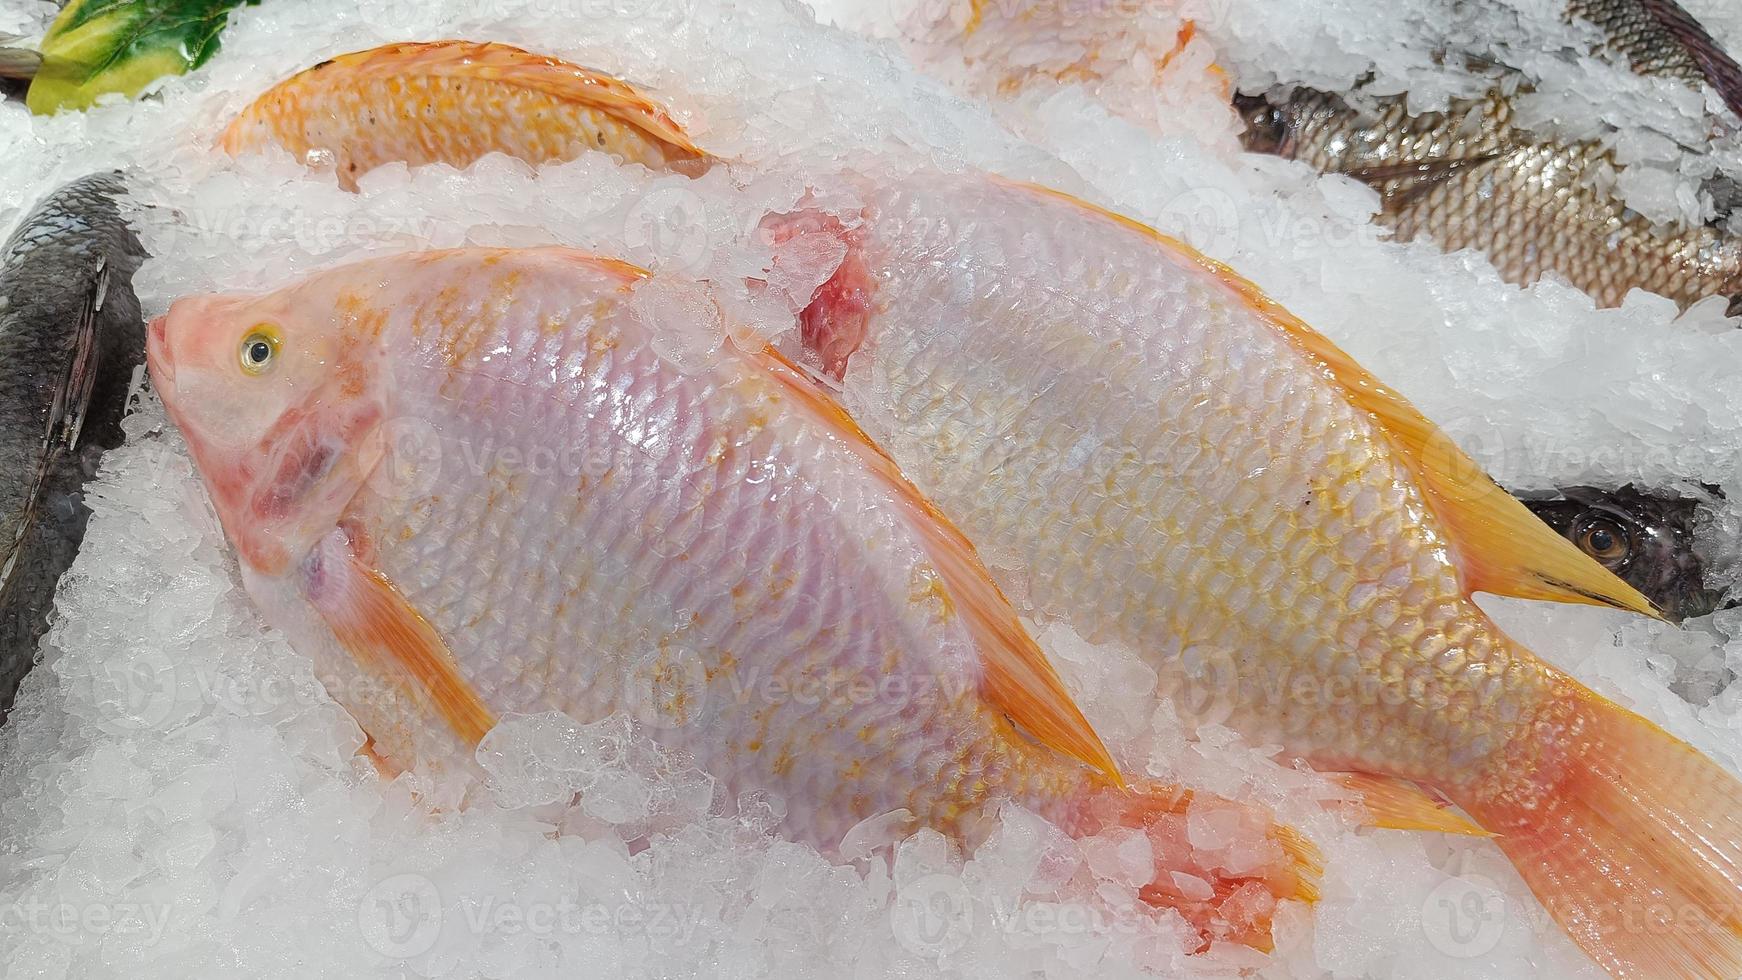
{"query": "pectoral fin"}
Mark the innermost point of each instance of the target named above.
(373, 621)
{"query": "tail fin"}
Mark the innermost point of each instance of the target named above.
(1222, 865)
(1630, 838)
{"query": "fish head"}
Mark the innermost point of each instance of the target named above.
(281, 399)
(1644, 536)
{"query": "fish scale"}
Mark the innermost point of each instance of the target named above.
(730, 560)
(486, 577)
(1301, 550)
(1210, 394)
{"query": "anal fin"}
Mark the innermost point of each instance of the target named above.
(1398, 804)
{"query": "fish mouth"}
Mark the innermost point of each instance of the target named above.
(157, 358)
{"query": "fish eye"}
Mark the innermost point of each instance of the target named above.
(1605, 540)
(259, 348)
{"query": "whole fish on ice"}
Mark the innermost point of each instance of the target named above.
(1153, 451)
(577, 524)
(71, 337)
(453, 102)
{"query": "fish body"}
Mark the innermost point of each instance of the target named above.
(70, 338)
(1658, 37)
(1152, 451)
(1468, 178)
(572, 523)
(453, 102)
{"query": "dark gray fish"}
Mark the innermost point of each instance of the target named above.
(1644, 536)
(1469, 178)
(71, 337)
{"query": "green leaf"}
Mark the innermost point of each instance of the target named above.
(99, 46)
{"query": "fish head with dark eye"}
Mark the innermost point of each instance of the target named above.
(1644, 537)
(280, 400)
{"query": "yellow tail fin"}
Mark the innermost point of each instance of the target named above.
(1630, 838)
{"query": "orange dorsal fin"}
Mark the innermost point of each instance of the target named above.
(1017, 677)
(491, 61)
(376, 624)
(1498, 544)
(1398, 804)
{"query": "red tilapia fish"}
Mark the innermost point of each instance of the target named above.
(453, 102)
(1190, 471)
(713, 538)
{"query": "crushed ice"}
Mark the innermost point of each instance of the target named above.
(179, 798)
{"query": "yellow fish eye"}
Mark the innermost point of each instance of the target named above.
(259, 348)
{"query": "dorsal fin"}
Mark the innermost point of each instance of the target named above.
(1017, 676)
(1498, 544)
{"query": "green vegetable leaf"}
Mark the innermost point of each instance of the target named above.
(99, 46)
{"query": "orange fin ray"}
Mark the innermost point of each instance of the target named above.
(1018, 677)
(1398, 804)
(373, 621)
(1499, 545)
(1631, 839)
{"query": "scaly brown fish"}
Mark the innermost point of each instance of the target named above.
(1468, 178)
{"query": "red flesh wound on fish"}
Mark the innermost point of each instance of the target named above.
(832, 325)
